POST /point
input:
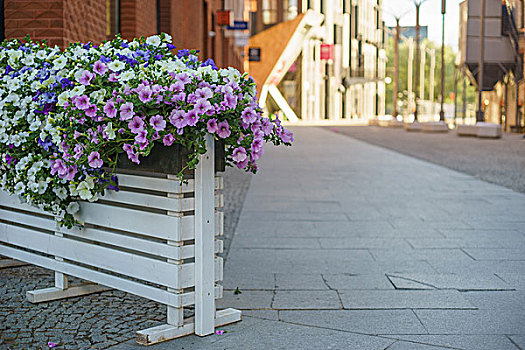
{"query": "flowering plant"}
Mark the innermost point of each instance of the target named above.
(65, 116)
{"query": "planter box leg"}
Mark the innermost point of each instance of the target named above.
(166, 332)
(55, 293)
(205, 241)
(62, 290)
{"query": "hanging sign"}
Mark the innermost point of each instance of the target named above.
(238, 25)
(254, 54)
(327, 51)
(223, 18)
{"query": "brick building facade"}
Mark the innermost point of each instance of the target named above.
(191, 23)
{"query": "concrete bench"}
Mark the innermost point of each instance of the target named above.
(434, 127)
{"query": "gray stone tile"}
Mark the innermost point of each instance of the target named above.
(497, 300)
(519, 340)
(405, 345)
(496, 253)
(514, 279)
(264, 314)
(467, 281)
(261, 280)
(248, 299)
(274, 242)
(474, 342)
(404, 299)
(454, 254)
(300, 281)
(255, 333)
(359, 243)
(440, 243)
(306, 299)
(363, 321)
(355, 281)
(472, 321)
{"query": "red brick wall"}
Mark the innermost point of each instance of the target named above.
(137, 18)
(40, 19)
(84, 20)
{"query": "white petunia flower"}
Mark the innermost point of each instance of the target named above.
(116, 66)
(73, 208)
(153, 40)
(20, 188)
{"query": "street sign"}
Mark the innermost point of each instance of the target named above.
(254, 54)
(238, 25)
(327, 51)
(223, 18)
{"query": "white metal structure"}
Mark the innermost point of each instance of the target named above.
(155, 238)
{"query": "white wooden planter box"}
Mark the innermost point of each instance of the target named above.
(155, 238)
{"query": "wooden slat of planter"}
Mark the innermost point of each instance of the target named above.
(13, 201)
(146, 269)
(138, 244)
(155, 202)
(165, 227)
(170, 185)
(156, 294)
(118, 218)
(28, 219)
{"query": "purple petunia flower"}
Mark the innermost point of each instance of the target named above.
(202, 106)
(168, 140)
(249, 115)
(158, 122)
(110, 109)
(266, 126)
(183, 78)
(191, 118)
(205, 93)
(82, 102)
(239, 154)
(58, 167)
(230, 101)
(136, 125)
(212, 126)
(176, 118)
(85, 78)
(91, 111)
(94, 160)
(287, 136)
(223, 129)
(79, 151)
(100, 68)
(145, 94)
(126, 111)
(142, 136)
(70, 173)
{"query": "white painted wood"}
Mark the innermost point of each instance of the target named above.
(147, 269)
(204, 240)
(61, 281)
(156, 202)
(55, 293)
(171, 185)
(166, 332)
(133, 287)
(14, 201)
(28, 219)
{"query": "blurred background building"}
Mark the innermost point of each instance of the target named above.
(319, 60)
(503, 85)
(313, 60)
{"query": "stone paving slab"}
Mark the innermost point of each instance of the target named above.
(404, 299)
(369, 281)
(307, 300)
(294, 281)
(361, 321)
(467, 281)
(255, 333)
(467, 342)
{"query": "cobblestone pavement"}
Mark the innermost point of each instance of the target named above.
(96, 321)
(499, 161)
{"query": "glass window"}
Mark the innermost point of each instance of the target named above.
(269, 11)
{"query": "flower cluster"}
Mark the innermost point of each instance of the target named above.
(65, 116)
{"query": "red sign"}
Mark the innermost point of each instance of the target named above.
(223, 17)
(327, 51)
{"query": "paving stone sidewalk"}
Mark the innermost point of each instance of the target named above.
(345, 245)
